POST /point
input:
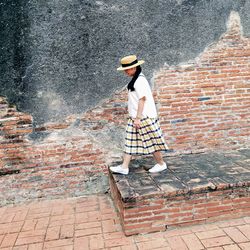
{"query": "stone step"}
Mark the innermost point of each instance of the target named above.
(196, 188)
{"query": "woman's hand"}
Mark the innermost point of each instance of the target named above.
(137, 123)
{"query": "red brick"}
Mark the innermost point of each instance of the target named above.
(86, 232)
(36, 246)
(231, 247)
(245, 229)
(9, 240)
(96, 242)
(29, 240)
(176, 243)
(118, 242)
(235, 234)
(53, 233)
(192, 242)
(58, 243)
(81, 243)
(245, 246)
(210, 234)
(67, 231)
(217, 241)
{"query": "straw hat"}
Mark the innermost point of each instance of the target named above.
(129, 62)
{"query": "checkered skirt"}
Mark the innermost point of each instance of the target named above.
(145, 140)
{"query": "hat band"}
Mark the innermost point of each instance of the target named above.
(130, 64)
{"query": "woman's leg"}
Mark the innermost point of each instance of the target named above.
(126, 160)
(158, 157)
(122, 169)
(160, 166)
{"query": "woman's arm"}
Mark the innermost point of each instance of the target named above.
(137, 120)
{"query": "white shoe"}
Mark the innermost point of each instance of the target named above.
(119, 170)
(158, 168)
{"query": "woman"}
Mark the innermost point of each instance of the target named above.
(143, 134)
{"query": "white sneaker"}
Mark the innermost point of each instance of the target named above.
(158, 168)
(119, 170)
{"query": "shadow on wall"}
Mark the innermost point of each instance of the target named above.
(60, 58)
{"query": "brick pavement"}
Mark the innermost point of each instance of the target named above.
(92, 223)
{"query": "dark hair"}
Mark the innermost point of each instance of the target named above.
(132, 82)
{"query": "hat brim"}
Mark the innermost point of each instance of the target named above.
(132, 66)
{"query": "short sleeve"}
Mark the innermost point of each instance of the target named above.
(141, 87)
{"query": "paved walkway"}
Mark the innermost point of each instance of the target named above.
(92, 223)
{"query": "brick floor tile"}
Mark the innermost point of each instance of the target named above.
(57, 211)
(69, 247)
(62, 217)
(113, 216)
(58, 243)
(153, 244)
(217, 241)
(53, 233)
(37, 216)
(94, 216)
(210, 234)
(20, 216)
(1, 238)
(9, 240)
(148, 237)
(235, 234)
(192, 242)
(115, 248)
(61, 222)
(216, 248)
(96, 242)
(113, 235)
(84, 209)
(29, 240)
(108, 226)
(40, 232)
(231, 223)
(36, 246)
(231, 247)
(6, 218)
(118, 242)
(67, 231)
(245, 229)
(90, 231)
(29, 225)
(40, 212)
(210, 227)
(42, 223)
(81, 218)
(131, 247)
(245, 246)
(177, 232)
(12, 227)
(197, 228)
(176, 243)
(20, 248)
(88, 225)
(81, 243)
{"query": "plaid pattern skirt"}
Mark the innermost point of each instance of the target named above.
(145, 140)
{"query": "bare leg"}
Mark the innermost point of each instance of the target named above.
(158, 157)
(126, 160)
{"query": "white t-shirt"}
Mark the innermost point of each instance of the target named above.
(142, 89)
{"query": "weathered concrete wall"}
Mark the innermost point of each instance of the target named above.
(60, 57)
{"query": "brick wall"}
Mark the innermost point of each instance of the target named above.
(158, 211)
(57, 159)
(203, 105)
